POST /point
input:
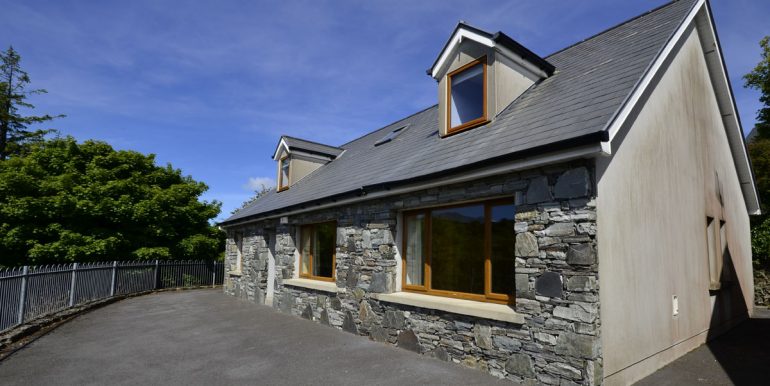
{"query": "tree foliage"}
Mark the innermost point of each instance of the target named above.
(257, 194)
(14, 132)
(759, 151)
(65, 201)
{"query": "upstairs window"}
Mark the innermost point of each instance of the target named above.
(317, 251)
(467, 96)
(283, 173)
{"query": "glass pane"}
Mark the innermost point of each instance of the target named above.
(457, 242)
(503, 258)
(285, 172)
(467, 95)
(305, 250)
(325, 246)
(415, 259)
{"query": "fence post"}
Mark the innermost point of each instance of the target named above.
(114, 275)
(214, 276)
(157, 275)
(72, 284)
(23, 295)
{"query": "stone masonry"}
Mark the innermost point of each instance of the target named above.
(556, 278)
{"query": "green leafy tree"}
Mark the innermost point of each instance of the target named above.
(14, 132)
(759, 151)
(65, 201)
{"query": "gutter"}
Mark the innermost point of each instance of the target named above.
(586, 146)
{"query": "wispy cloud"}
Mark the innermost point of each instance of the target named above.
(210, 86)
(259, 183)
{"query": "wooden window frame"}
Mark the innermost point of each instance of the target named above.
(488, 295)
(281, 186)
(309, 275)
(475, 122)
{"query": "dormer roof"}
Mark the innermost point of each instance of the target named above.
(500, 41)
(290, 144)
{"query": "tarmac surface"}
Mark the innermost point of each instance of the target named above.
(205, 337)
(202, 337)
(739, 357)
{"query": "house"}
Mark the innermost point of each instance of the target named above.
(578, 218)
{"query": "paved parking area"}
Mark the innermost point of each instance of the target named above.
(205, 337)
(739, 357)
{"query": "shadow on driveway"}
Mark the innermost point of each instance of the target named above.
(740, 357)
(205, 337)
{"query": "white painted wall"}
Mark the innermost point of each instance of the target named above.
(654, 194)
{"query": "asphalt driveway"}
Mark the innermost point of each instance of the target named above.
(205, 337)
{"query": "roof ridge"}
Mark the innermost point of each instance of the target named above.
(307, 140)
(658, 8)
(389, 124)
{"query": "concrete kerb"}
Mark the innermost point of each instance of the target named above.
(17, 337)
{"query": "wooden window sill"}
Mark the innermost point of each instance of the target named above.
(492, 311)
(318, 285)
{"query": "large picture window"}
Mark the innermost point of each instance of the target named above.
(317, 251)
(467, 96)
(462, 251)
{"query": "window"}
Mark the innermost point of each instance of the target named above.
(238, 252)
(317, 251)
(717, 250)
(283, 173)
(390, 136)
(467, 100)
(462, 251)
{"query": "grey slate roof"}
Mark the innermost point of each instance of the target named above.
(572, 107)
(310, 146)
(752, 134)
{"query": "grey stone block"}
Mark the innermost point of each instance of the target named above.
(578, 346)
(572, 184)
(483, 336)
(538, 191)
(408, 340)
(521, 365)
(325, 317)
(307, 313)
(380, 282)
(526, 245)
(348, 324)
(581, 254)
(379, 334)
(561, 229)
(549, 284)
(394, 320)
(440, 354)
(506, 343)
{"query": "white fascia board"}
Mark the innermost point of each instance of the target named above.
(732, 123)
(459, 35)
(588, 151)
(281, 144)
(644, 84)
(516, 58)
(731, 118)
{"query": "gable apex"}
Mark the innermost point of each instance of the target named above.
(499, 41)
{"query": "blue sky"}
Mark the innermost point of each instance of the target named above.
(209, 86)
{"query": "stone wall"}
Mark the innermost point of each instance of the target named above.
(556, 279)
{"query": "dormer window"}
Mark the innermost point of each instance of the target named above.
(298, 158)
(479, 75)
(467, 104)
(284, 167)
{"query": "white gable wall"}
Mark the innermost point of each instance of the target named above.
(654, 194)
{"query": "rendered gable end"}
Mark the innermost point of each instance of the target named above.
(654, 194)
